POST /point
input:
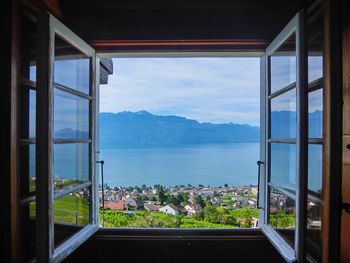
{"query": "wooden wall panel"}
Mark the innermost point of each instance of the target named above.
(345, 227)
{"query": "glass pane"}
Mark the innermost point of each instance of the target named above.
(315, 48)
(283, 115)
(282, 215)
(316, 113)
(32, 113)
(71, 209)
(27, 170)
(71, 165)
(27, 114)
(283, 162)
(315, 70)
(71, 67)
(283, 65)
(315, 168)
(314, 224)
(71, 116)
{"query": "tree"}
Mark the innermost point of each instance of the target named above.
(171, 199)
(186, 195)
(161, 196)
(180, 198)
(200, 201)
(226, 185)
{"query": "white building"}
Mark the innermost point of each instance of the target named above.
(169, 209)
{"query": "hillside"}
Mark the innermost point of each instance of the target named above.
(138, 129)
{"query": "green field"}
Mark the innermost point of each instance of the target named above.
(69, 209)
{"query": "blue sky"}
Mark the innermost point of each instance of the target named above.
(218, 90)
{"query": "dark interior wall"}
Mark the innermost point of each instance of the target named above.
(6, 22)
(192, 19)
(108, 247)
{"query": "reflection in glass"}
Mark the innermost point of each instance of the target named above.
(32, 73)
(315, 70)
(314, 225)
(71, 209)
(71, 165)
(315, 168)
(315, 113)
(282, 214)
(283, 115)
(32, 113)
(283, 162)
(71, 116)
(71, 67)
(27, 154)
(283, 65)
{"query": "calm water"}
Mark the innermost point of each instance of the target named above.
(211, 164)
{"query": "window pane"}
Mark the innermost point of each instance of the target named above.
(315, 168)
(71, 67)
(71, 209)
(315, 70)
(283, 162)
(314, 225)
(27, 170)
(283, 65)
(32, 113)
(283, 115)
(71, 116)
(27, 113)
(71, 165)
(315, 113)
(282, 215)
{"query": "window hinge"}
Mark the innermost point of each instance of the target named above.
(346, 207)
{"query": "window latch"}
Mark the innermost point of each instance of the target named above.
(346, 207)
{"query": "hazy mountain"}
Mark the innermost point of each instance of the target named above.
(132, 129)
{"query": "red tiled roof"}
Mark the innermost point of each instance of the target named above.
(116, 205)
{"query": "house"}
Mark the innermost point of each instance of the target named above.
(173, 209)
(152, 208)
(134, 204)
(193, 209)
(169, 209)
(116, 205)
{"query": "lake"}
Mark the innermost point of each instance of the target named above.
(206, 164)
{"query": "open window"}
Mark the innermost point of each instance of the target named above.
(66, 199)
(291, 182)
(66, 117)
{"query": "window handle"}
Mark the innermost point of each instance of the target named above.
(259, 163)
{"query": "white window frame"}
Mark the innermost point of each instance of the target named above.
(297, 26)
(48, 27)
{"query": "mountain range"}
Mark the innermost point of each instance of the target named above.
(139, 129)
